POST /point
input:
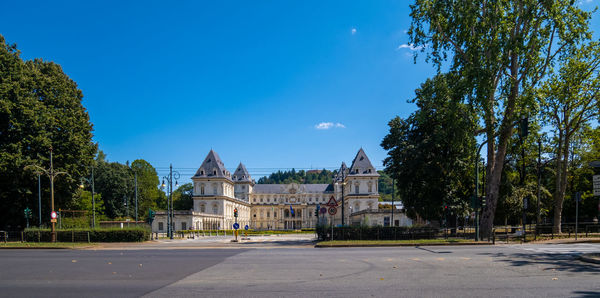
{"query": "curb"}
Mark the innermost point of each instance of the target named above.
(402, 244)
(590, 258)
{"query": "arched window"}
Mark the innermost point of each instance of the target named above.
(286, 213)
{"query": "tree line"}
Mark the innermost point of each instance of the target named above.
(518, 76)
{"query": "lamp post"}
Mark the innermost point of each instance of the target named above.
(51, 174)
(91, 181)
(524, 131)
(169, 185)
(136, 192)
(476, 196)
(343, 201)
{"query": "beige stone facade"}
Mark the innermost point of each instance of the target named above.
(272, 206)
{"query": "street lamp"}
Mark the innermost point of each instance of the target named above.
(169, 185)
(51, 174)
(91, 181)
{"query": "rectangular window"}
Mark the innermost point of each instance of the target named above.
(160, 226)
(386, 221)
(268, 213)
(184, 225)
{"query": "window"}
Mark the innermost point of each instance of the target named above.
(215, 209)
(201, 173)
(184, 225)
(274, 214)
(254, 214)
(243, 187)
(370, 187)
(268, 213)
(356, 188)
(202, 208)
(161, 226)
(201, 189)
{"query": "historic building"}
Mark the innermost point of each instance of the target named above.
(217, 193)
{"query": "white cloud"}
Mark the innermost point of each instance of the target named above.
(409, 46)
(328, 125)
(353, 31)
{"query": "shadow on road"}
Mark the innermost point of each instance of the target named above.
(586, 294)
(559, 262)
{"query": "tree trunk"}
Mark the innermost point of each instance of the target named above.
(562, 160)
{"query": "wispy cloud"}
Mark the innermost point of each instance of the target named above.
(409, 46)
(329, 125)
(353, 31)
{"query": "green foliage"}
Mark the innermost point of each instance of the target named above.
(182, 197)
(503, 49)
(430, 153)
(149, 196)
(40, 107)
(133, 234)
(302, 177)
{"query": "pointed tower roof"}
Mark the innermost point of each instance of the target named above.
(212, 167)
(241, 174)
(342, 173)
(361, 165)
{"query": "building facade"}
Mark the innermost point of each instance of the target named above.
(217, 193)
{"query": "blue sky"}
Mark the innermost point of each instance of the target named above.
(252, 80)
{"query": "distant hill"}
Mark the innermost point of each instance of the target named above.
(322, 177)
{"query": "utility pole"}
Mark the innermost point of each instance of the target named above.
(393, 192)
(136, 197)
(40, 199)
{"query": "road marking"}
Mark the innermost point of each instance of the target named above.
(566, 249)
(440, 259)
(465, 258)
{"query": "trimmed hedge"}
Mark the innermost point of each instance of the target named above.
(376, 233)
(95, 235)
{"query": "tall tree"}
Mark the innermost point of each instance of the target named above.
(40, 107)
(569, 101)
(148, 192)
(503, 49)
(430, 152)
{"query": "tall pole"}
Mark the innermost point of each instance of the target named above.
(171, 197)
(93, 202)
(523, 185)
(539, 182)
(577, 198)
(53, 232)
(393, 192)
(40, 199)
(343, 204)
(136, 198)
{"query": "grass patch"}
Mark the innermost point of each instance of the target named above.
(393, 242)
(45, 244)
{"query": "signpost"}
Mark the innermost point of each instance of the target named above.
(53, 216)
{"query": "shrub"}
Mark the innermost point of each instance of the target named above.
(134, 234)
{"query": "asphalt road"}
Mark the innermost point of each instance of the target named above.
(277, 271)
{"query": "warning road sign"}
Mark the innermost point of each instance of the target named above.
(332, 202)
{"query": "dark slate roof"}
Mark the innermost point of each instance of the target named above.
(343, 171)
(241, 174)
(362, 166)
(280, 188)
(212, 167)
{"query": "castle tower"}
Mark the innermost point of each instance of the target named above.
(243, 183)
(361, 185)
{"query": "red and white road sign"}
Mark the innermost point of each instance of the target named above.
(332, 210)
(53, 215)
(332, 202)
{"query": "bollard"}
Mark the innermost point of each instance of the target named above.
(22, 238)
(72, 236)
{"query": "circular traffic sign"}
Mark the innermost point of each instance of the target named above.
(332, 210)
(323, 210)
(246, 227)
(53, 215)
(236, 226)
